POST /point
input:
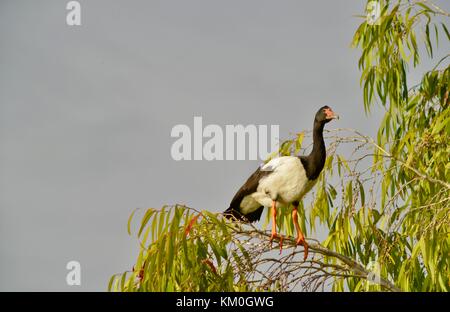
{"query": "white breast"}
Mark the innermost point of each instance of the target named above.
(287, 182)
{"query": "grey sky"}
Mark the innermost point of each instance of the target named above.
(86, 114)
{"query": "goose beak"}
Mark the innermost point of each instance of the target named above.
(334, 116)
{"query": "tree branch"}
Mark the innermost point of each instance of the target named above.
(314, 247)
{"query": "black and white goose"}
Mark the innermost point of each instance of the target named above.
(283, 181)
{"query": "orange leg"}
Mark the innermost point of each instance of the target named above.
(274, 226)
(300, 238)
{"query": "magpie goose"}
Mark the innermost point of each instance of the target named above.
(283, 181)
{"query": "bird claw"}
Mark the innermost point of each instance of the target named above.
(275, 235)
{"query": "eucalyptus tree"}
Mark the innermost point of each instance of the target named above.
(385, 206)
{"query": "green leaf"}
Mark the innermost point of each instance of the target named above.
(161, 223)
(446, 31)
(361, 193)
(428, 40)
(111, 281)
(129, 221)
(145, 219)
(122, 281)
(170, 251)
(426, 7)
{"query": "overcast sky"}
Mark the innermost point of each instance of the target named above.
(86, 114)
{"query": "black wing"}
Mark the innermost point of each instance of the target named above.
(248, 188)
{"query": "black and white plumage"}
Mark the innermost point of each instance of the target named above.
(283, 181)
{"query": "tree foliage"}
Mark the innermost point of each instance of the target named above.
(412, 150)
(385, 206)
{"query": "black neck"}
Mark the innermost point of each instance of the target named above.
(316, 160)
